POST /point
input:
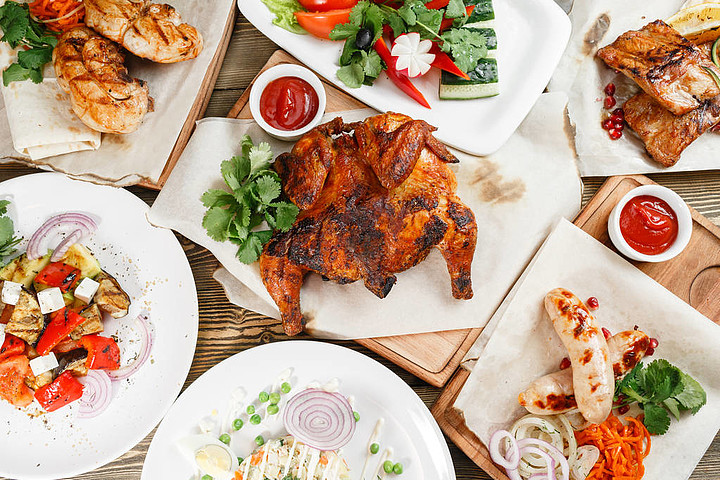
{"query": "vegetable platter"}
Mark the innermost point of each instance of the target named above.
(479, 126)
(155, 351)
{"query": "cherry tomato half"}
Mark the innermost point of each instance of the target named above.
(321, 24)
(325, 5)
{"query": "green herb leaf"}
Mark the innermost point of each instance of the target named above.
(19, 29)
(3, 206)
(455, 9)
(268, 189)
(342, 31)
(466, 46)
(8, 240)
(260, 158)
(14, 21)
(656, 419)
(217, 198)
(216, 222)
(352, 75)
(35, 58)
(673, 407)
(15, 73)
(693, 396)
(285, 215)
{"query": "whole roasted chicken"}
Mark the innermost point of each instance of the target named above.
(375, 198)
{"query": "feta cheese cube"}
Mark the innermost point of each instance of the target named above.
(40, 365)
(86, 290)
(11, 292)
(50, 300)
(2, 333)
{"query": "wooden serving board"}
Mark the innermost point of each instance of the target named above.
(694, 276)
(433, 357)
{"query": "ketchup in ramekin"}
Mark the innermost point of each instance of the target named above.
(289, 103)
(648, 224)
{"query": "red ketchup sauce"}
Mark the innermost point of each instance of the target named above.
(289, 103)
(648, 224)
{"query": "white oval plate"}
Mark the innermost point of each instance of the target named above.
(409, 428)
(151, 266)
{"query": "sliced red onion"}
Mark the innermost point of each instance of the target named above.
(65, 245)
(511, 458)
(97, 394)
(320, 419)
(146, 339)
(527, 443)
(64, 223)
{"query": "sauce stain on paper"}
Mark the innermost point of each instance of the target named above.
(493, 188)
(596, 33)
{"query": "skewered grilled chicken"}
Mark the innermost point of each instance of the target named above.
(104, 96)
(373, 203)
(149, 30)
(670, 68)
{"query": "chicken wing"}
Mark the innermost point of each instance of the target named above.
(670, 68)
(375, 198)
(103, 95)
(149, 30)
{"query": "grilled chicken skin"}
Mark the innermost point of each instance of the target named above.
(149, 30)
(104, 96)
(670, 68)
(373, 203)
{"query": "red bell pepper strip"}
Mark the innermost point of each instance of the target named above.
(400, 81)
(444, 62)
(11, 346)
(60, 275)
(103, 352)
(65, 389)
(447, 22)
(6, 314)
(437, 4)
(63, 322)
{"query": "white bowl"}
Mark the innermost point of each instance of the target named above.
(286, 70)
(685, 224)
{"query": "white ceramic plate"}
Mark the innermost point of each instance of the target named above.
(532, 36)
(409, 427)
(151, 266)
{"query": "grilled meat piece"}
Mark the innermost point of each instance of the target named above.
(373, 203)
(73, 361)
(27, 321)
(110, 297)
(149, 30)
(93, 324)
(666, 65)
(103, 95)
(664, 134)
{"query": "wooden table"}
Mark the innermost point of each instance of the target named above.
(226, 329)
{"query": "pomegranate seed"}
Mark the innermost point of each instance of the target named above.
(615, 133)
(619, 126)
(636, 327)
(654, 343)
(609, 102)
(650, 352)
(615, 118)
(565, 363)
(619, 112)
(606, 332)
(607, 124)
(610, 89)
(623, 410)
(593, 303)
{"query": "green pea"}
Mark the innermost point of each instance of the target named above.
(250, 409)
(273, 409)
(264, 397)
(255, 419)
(238, 423)
(274, 398)
(374, 448)
(206, 477)
(398, 468)
(225, 438)
(285, 387)
(357, 416)
(260, 440)
(388, 466)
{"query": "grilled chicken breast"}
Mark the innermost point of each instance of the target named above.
(27, 321)
(104, 96)
(666, 135)
(670, 68)
(149, 30)
(110, 297)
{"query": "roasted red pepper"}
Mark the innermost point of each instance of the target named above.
(448, 22)
(400, 81)
(63, 322)
(63, 390)
(437, 4)
(13, 372)
(11, 346)
(444, 62)
(59, 274)
(103, 352)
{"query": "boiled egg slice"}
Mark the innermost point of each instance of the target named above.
(210, 455)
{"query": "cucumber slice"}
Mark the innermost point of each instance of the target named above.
(715, 52)
(483, 82)
(482, 12)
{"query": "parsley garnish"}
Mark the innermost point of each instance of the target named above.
(254, 199)
(661, 389)
(19, 29)
(8, 240)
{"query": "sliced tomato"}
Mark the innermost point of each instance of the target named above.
(320, 24)
(11, 346)
(325, 5)
(13, 372)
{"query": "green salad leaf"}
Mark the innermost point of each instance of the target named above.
(284, 11)
(8, 240)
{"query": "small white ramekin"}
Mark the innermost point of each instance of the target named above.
(685, 224)
(286, 70)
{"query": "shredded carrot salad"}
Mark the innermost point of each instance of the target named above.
(58, 15)
(622, 448)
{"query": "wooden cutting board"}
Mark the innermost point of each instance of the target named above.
(694, 276)
(433, 357)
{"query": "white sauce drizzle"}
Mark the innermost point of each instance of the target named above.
(301, 461)
(289, 459)
(379, 470)
(374, 438)
(312, 464)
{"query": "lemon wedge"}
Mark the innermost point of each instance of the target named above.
(698, 23)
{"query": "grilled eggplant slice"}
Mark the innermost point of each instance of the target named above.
(93, 324)
(27, 321)
(74, 362)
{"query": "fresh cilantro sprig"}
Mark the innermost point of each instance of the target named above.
(660, 389)
(19, 29)
(254, 198)
(8, 240)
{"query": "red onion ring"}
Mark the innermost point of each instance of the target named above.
(146, 339)
(511, 458)
(65, 245)
(549, 461)
(320, 419)
(526, 443)
(97, 394)
(66, 222)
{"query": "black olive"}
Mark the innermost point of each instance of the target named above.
(363, 39)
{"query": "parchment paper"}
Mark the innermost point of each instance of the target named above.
(524, 345)
(516, 195)
(127, 159)
(583, 77)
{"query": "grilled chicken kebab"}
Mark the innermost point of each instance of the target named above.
(375, 197)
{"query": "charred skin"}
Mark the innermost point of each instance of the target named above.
(373, 203)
